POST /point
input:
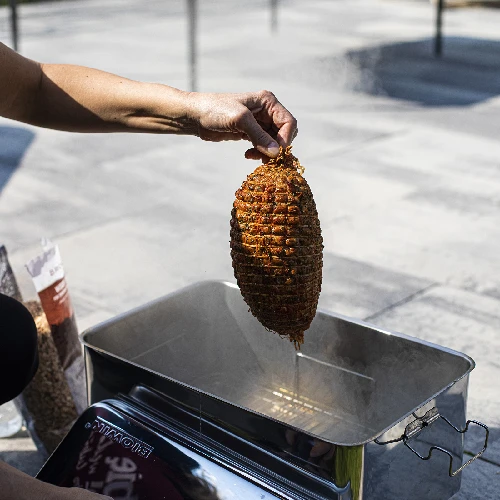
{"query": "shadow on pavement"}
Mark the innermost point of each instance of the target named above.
(467, 73)
(14, 142)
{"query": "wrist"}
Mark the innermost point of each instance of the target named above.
(193, 108)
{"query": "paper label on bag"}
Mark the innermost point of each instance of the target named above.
(48, 277)
(46, 269)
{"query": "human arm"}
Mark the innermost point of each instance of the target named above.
(80, 99)
(18, 485)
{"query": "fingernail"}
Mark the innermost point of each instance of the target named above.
(273, 148)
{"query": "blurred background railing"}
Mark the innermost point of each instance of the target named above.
(192, 21)
(192, 17)
(14, 24)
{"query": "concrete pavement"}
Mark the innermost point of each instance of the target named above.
(401, 151)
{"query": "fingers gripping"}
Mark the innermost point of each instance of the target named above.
(257, 135)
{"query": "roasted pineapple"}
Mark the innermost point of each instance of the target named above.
(277, 247)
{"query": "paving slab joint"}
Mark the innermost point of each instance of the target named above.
(401, 302)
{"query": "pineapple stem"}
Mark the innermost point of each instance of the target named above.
(286, 159)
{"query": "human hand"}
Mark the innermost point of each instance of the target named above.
(75, 494)
(21, 486)
(254, 116)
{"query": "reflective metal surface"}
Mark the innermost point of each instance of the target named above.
(119, 456)
(319, 409)
(347, 385)
(124, 449)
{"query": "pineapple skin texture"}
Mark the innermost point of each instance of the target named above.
(277, 247)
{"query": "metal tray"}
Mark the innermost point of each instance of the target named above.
(361, 394)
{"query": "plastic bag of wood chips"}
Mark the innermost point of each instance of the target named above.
(46, 403)
(48, 277)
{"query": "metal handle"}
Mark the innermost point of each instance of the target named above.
(416, 426)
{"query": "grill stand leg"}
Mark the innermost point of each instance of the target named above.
(274, 15)
(438, 41)
(13, 23)
(192, 12)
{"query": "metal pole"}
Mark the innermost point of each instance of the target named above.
(192, 9)
(13, 23)
(274, 15)
(438, 42)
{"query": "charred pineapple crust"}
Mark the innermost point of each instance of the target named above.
(277, 248)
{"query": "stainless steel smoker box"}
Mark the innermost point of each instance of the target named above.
(366, 413)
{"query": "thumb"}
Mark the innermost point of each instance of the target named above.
(259, 137)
